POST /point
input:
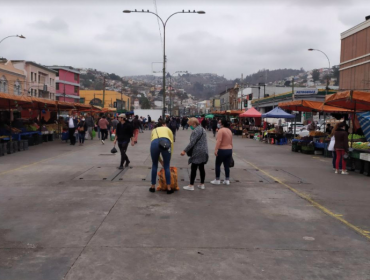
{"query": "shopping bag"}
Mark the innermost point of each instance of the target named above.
(162, 184)
(112, 137)
(114, 150)
(93, 133)
(232, 163)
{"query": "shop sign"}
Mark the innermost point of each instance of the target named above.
(306, 91)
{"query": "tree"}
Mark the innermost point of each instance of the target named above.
(315, 75)
(145, 103)
(336, 74)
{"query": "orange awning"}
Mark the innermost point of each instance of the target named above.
(310, 106)
(350, 99)
(62, 105)
(11, 101)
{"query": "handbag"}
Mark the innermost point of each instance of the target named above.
(163, 144)
(346, 156)
(190, 152)
(232, 163)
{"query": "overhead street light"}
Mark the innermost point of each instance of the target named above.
(19, 36)
(164, 23)
(327, 80)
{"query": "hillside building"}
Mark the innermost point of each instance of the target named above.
(67, 83)
(12, 80)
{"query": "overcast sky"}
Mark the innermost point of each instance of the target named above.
(233, 37)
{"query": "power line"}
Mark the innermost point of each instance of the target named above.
(159, 26)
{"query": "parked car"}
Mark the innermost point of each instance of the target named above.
(286, 126)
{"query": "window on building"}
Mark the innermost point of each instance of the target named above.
(17, 88)
(57, 86)
(31, 92)
(31, 76)
(39, 78)
(82, 100)
(76, 77)
(76, 89)
(57, 73)
(3, 84)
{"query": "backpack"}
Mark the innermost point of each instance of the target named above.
(173, 124)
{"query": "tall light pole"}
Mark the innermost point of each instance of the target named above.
(164, 23)
(19, 36)
(170, 75)
(327, 80)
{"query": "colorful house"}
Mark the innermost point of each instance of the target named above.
(112, 99)
(67, 83)
(12, 80)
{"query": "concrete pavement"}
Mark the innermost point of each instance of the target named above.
(67, 213)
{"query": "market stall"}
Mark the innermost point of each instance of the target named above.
(253, 129)
(276, 134)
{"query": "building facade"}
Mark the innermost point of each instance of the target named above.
(112, 99)
(40, 80)
(12, 80)
(67, 83)
(355, 58)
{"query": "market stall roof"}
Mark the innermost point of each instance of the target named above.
(309, 106)
(251, 113)
(364, 119)
(82, 107)
(278, 113)
(11, 101)
(350, 99)
(41, 103)
(107, 110)
(218, 112)
(65, 105)
(234, 112)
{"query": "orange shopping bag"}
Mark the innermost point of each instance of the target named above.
(162, 185)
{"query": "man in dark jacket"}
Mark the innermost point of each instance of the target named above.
(124, 134)
(172, 124)
(136, 125)
(214, 123)
(341, 147)
(90, 125)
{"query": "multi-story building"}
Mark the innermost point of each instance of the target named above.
(67, 83)
(355, 58)
(12, 80)
(40, 80)
(112, 99)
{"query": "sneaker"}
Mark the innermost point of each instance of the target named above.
(202, 187)
(102, 142)
(226, 182)
(188, 188)
(336, 171)
(344, 172)
(215, 182)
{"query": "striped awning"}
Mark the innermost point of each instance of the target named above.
(364, 120)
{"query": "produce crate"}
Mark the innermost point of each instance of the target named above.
(51, 137)
(2, 152)
(366, 168)
(295, 147)
(45, 137)
(20, 146)
(355, 155)
(308, 149)
(25, 145)
(9, 148)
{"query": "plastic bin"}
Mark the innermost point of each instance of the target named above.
(20, 146)
(25, 145)
(51, 137)
(2, 152)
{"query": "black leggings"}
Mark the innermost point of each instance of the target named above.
(193, 173)
(123, 148)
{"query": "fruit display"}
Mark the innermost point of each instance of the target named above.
(355, 136)
(360, 145)
(317, 134)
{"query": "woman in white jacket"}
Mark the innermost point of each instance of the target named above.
(331, 147)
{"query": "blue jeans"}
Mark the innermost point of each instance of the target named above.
(155, 151)
(98, 132)
(223, 156)
(81, 137)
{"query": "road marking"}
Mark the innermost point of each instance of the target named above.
(364, 233)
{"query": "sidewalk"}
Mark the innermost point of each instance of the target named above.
(75, 216)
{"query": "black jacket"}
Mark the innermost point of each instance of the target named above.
(136, 123)
(84, 125)
(124, 132)
(214, 124)
(341, 140)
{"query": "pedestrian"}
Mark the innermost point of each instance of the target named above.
(72, 125)
(114, 123)
(178, 121)
(341, 147)
(160, 119)
(223, 152)
(199, 155)
(103, 125)
(136, 125)
(149, 122)
(184, 122)
(214, 126)
(98, 128)
(161, 136)
(173, 126)
(109, 126)
(141, 125)
(90, 125)
(331, 148)
(124, 134)
(82, 128)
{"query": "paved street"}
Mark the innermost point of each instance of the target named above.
(67, 213)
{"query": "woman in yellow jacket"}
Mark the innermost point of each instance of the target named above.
(161, 133)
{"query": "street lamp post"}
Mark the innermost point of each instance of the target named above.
(19, 36)
(164, 23)
(177, 72)
(327, 80)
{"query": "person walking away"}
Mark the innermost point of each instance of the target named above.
(198, 143)
(178, 121)
(124, 134)
(82, 128)
(141, 125)
(183, 123)
(223, 152)
(72, 125)
(149, 122)
(214, 126)
(115, 122)
(173, 126)
(103, 125)
(331, 148)
(109, 126)
(161, 134)
(90, 125)
(136, 125)
(341, 147)
(98, 128)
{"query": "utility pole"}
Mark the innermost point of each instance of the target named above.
(121, 99)
(94, 99)
(293, 89)
(64, 92)
(241, 93)
(103, 91)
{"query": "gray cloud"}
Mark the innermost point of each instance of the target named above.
(55, 24)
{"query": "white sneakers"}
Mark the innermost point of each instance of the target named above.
(102, 142)
(188, 188)
(191, 188)
(218, 182)
(344, 172)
